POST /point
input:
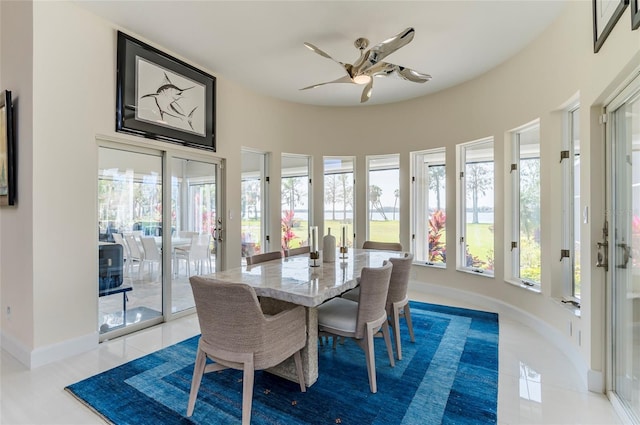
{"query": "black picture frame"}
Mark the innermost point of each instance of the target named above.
(635, 14)
(161, 97)
(7, 151)
(606, 14)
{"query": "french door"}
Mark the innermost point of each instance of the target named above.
(623, 289)
(159, 221)
(196, 226)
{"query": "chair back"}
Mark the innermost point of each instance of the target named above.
(399, 281)
(200, 249)
(186, 234)
(229, 314)
(134, 248)
(384, 246)
(297, 251)
(374, 285)
(117, 238)
(261, 258)
(151, 251)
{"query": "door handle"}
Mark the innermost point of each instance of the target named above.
(602, 257)
(626, 256)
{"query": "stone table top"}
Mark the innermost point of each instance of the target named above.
(293, 279)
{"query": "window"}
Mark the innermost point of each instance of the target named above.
(429, 207)
(383, 203)
(339, 196)
(252, 200)
(296, 207)
(571, 205)
(525, 181)
(475, 203)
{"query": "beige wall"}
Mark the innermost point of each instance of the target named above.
(74, 102)
(16, 233)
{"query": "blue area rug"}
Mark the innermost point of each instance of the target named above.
(449, 376)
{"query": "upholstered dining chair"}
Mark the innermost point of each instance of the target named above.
(385, 246)
(237, 335)
(363, 319)
(261, 258)
(297, 251)
(397, 299)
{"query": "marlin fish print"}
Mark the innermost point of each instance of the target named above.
(167, 98)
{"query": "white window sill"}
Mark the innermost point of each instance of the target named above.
(519, 284)
(569, 306)
(475, 273)
(430, 265)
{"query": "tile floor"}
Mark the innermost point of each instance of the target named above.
(537, 383)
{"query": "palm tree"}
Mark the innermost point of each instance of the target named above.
(375, 193)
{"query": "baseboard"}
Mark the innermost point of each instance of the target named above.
(595, 381)
(51, 353)
(15, 348)
(547, 331)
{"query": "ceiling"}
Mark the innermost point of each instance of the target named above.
(259, 44)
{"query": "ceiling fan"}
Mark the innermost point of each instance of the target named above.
(370, 64)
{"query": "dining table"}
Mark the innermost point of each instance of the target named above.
(299, 280)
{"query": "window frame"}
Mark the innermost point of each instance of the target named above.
(516, 205)
(263, 177)
(461, 210)
(309, 174)
(369, 159)
(570, 216)
(352, 225)
(420, 202)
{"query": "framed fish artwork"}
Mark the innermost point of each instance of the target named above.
(7, 151)
(606, 14)
(161, 97)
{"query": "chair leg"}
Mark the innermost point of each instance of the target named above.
(407, 317)
(198, 371)
(387, 341)
(298, 360)
(247, 392)
(371, 360)
(396, 329)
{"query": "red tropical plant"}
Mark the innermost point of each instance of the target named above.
(437, 247)
(287, 223)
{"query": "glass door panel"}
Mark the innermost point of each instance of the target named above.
(252, 198)
(625, 252)
(130, 223)
(195, 226)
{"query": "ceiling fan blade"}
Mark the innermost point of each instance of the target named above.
(382, 50)
(366, 93)
(345, 79)
(384, 69)
(345, 67)
(412, 74)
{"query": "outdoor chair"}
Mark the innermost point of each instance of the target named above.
(198, 252)
(151, 254)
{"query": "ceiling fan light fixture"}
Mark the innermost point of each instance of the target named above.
(361, 79)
